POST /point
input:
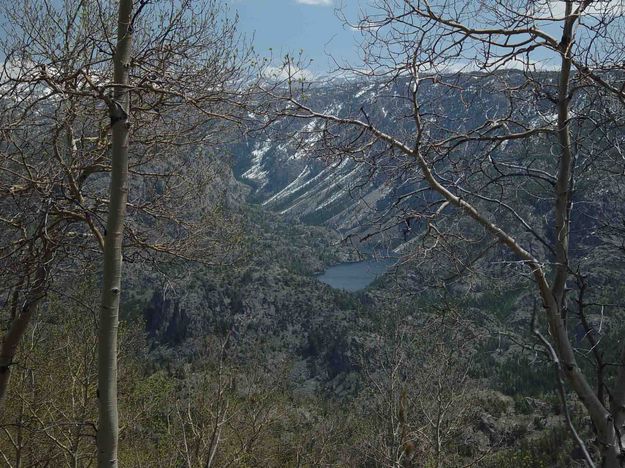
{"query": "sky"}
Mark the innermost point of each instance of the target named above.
(311, 26)
(279, 27)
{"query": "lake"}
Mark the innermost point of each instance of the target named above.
(355, 276)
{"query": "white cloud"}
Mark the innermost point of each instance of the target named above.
(315, 2)
(282, 73)
(366, 26)
(556, 8)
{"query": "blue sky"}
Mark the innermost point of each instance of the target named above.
(287, 26)
(313, 26)
(294, 25)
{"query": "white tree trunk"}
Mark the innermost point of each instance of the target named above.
(108, 427)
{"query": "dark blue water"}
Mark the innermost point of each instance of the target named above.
(355, 276)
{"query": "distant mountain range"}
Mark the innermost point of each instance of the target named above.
(336, 191)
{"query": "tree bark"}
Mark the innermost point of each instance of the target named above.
(19, 324)
(556, 303)
(108, 428)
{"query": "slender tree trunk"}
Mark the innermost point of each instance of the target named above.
(21, 319)
(108, 428)
(617, 403)
(556, 302)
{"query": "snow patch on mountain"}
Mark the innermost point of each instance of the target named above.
(291, 188)
(256, 172)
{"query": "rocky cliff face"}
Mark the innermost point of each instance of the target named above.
(285, 164)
